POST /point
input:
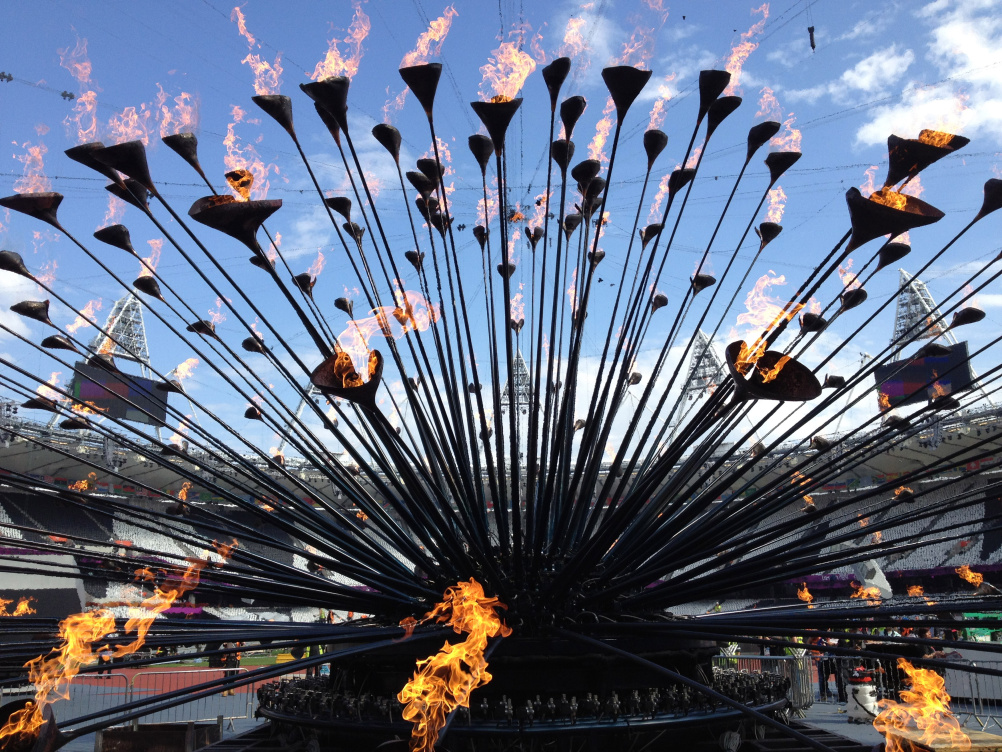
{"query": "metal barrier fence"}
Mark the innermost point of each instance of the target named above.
(90, 693)
(798, 669)
(237, 703)
(975, 699)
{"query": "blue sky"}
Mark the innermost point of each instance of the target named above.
(896, 68)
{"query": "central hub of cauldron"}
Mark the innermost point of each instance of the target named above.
(548, 688)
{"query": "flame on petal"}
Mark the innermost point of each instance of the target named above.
(870, 594)
(336, 64)
(87, 315)
(32, 178)
(506, 70)
(149, 264)
(966, 573)
(429, 44)
(777, 205)
(743, 49)
(922, 720)
(444, 681)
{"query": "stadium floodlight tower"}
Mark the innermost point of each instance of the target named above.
(705, 371)
(125, 339)
(916, 316)
(517, 393)
(914, 311)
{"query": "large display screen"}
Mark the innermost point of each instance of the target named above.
(121, 396)
(909, 382)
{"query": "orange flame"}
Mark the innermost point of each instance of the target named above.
(273, 247)
(33, 178)
(849, 280)
(182, 118)
(743, 49)
(789, 139)
(768, 105)
(937, 389)
(574, 42)
(890, 198)
(770, 374)
(487, 209)
(23, 607)
(317, 266)
(884, 404)
(870, 594)
(869, 184)
(430, 42)
(245, 158)
(748, 357)
(185, 369)
(149, 264)
(87, 407)
(506, 69)
(413, 312)
(216, 315)
(518, 304)
(595, 148)
(86, 484)
(47, 275)
(877, 536)
(267, 76)
(52, 673)
(777, 205)
(916, 590)
(87, 315)
(572, 292)
(131, 125)
(900, 490)
(966, 573)
(539, 215)
(764, 311)
(664, 96)
(237, 16)
(177, 438)
(923, 716)
(655, 211)
(182, 493)
(336, 65)
(115, 212)
(76, 61)
(84, 116)
(804, 594)
(693, 159)
(935, 138)
(638, 48)
(45, 390)
(444, 681)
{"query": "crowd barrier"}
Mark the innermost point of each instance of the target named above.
(798, 669)
(90, 693)
(975, 699)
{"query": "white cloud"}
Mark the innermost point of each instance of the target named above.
(872, 76)
(14, 289)
(878, 71)
(965, 48)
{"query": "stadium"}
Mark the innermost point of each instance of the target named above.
(641, 506)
